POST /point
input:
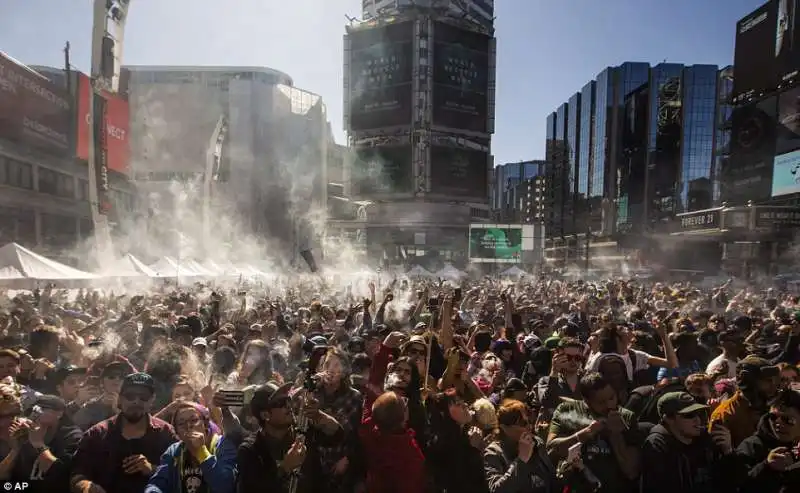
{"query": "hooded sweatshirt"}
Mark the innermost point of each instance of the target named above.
(753, 452)
(506, 473)
(395, 463)
(671, 466)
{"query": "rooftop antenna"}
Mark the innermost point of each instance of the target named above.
(351, 20)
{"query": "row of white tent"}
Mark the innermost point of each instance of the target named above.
(450, 273)
(19, 265)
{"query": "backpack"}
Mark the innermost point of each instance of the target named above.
(643, 401)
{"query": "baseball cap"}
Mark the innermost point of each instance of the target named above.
(139, 379)
(65, 371)
(199, 341)
(758, 367)
(115, 368)
(678, 403)
(52, 402)
(267, 395)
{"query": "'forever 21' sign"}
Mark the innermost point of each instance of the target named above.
(699, 220)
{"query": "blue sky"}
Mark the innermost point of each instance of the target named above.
(547, 49)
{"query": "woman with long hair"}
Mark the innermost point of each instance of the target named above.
(254, 365)
(455, 445)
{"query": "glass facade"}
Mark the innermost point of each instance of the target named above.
(507, 177)
(664, 142)
(722, 142)
(641, 143)
(573, 156)
(699, 126)
(602, 132)
(586, 134)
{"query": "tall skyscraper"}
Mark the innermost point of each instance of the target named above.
(506, 178)
(632, 149)
(419, 113)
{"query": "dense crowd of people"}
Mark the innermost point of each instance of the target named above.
(538, 385)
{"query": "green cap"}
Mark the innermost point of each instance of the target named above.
(552, 342)
(678, 403)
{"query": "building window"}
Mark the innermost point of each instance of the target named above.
(20, 174)
(83, 190)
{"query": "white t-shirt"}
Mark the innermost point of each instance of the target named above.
(640, 363)
(717, 362)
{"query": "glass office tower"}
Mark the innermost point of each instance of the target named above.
(639, 142)
(573, 156)
(585, 154)
(696, 191)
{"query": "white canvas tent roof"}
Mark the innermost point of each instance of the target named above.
(514, 271)
(450, 273)
(199, 269)
(33, 266)
(418, 271)
(9, 272)
(139, 266)
(168, 267)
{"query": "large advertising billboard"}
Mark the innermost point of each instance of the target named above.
(788, 132)
(381, 170)
(459, 172)
(787, 39)
(33, 110)
(495, 243)
(786, 174)
(460, 78)
(754, 60)
(116, 127)
(381, 62)
(747, 175)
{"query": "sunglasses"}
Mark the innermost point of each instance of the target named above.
(574, 357)
(415, 352)
(787, 420)
(696, 414)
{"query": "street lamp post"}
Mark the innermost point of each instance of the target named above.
(106, 55)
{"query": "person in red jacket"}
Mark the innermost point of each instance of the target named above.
(395, 463)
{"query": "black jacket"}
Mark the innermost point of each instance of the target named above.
(670, 466)
(258, 467)
(506, 473)
(63, 445)
(759, 478)
(456, 466)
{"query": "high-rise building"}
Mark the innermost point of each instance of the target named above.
(505, 179)
(419, 106)
(272, 171)
(480, 11)
(632, 149)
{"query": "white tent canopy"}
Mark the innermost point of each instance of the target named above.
(450, 273)
(514, 271)
(33, 266)
(129, 266)
(418, 271)
(169, 267)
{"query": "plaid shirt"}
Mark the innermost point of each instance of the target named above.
(345, 404)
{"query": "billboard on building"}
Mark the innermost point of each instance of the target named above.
(33, 110)
(460, 172)
(380, 70)
(382, 170)
(495, 243)
(460, 78)
(754, 59)
(116, 127)
(787, 39)
(786, 174)
(747, 174)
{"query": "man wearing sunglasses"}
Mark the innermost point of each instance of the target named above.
(772, 454)
(678, 455)
(119, 454)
